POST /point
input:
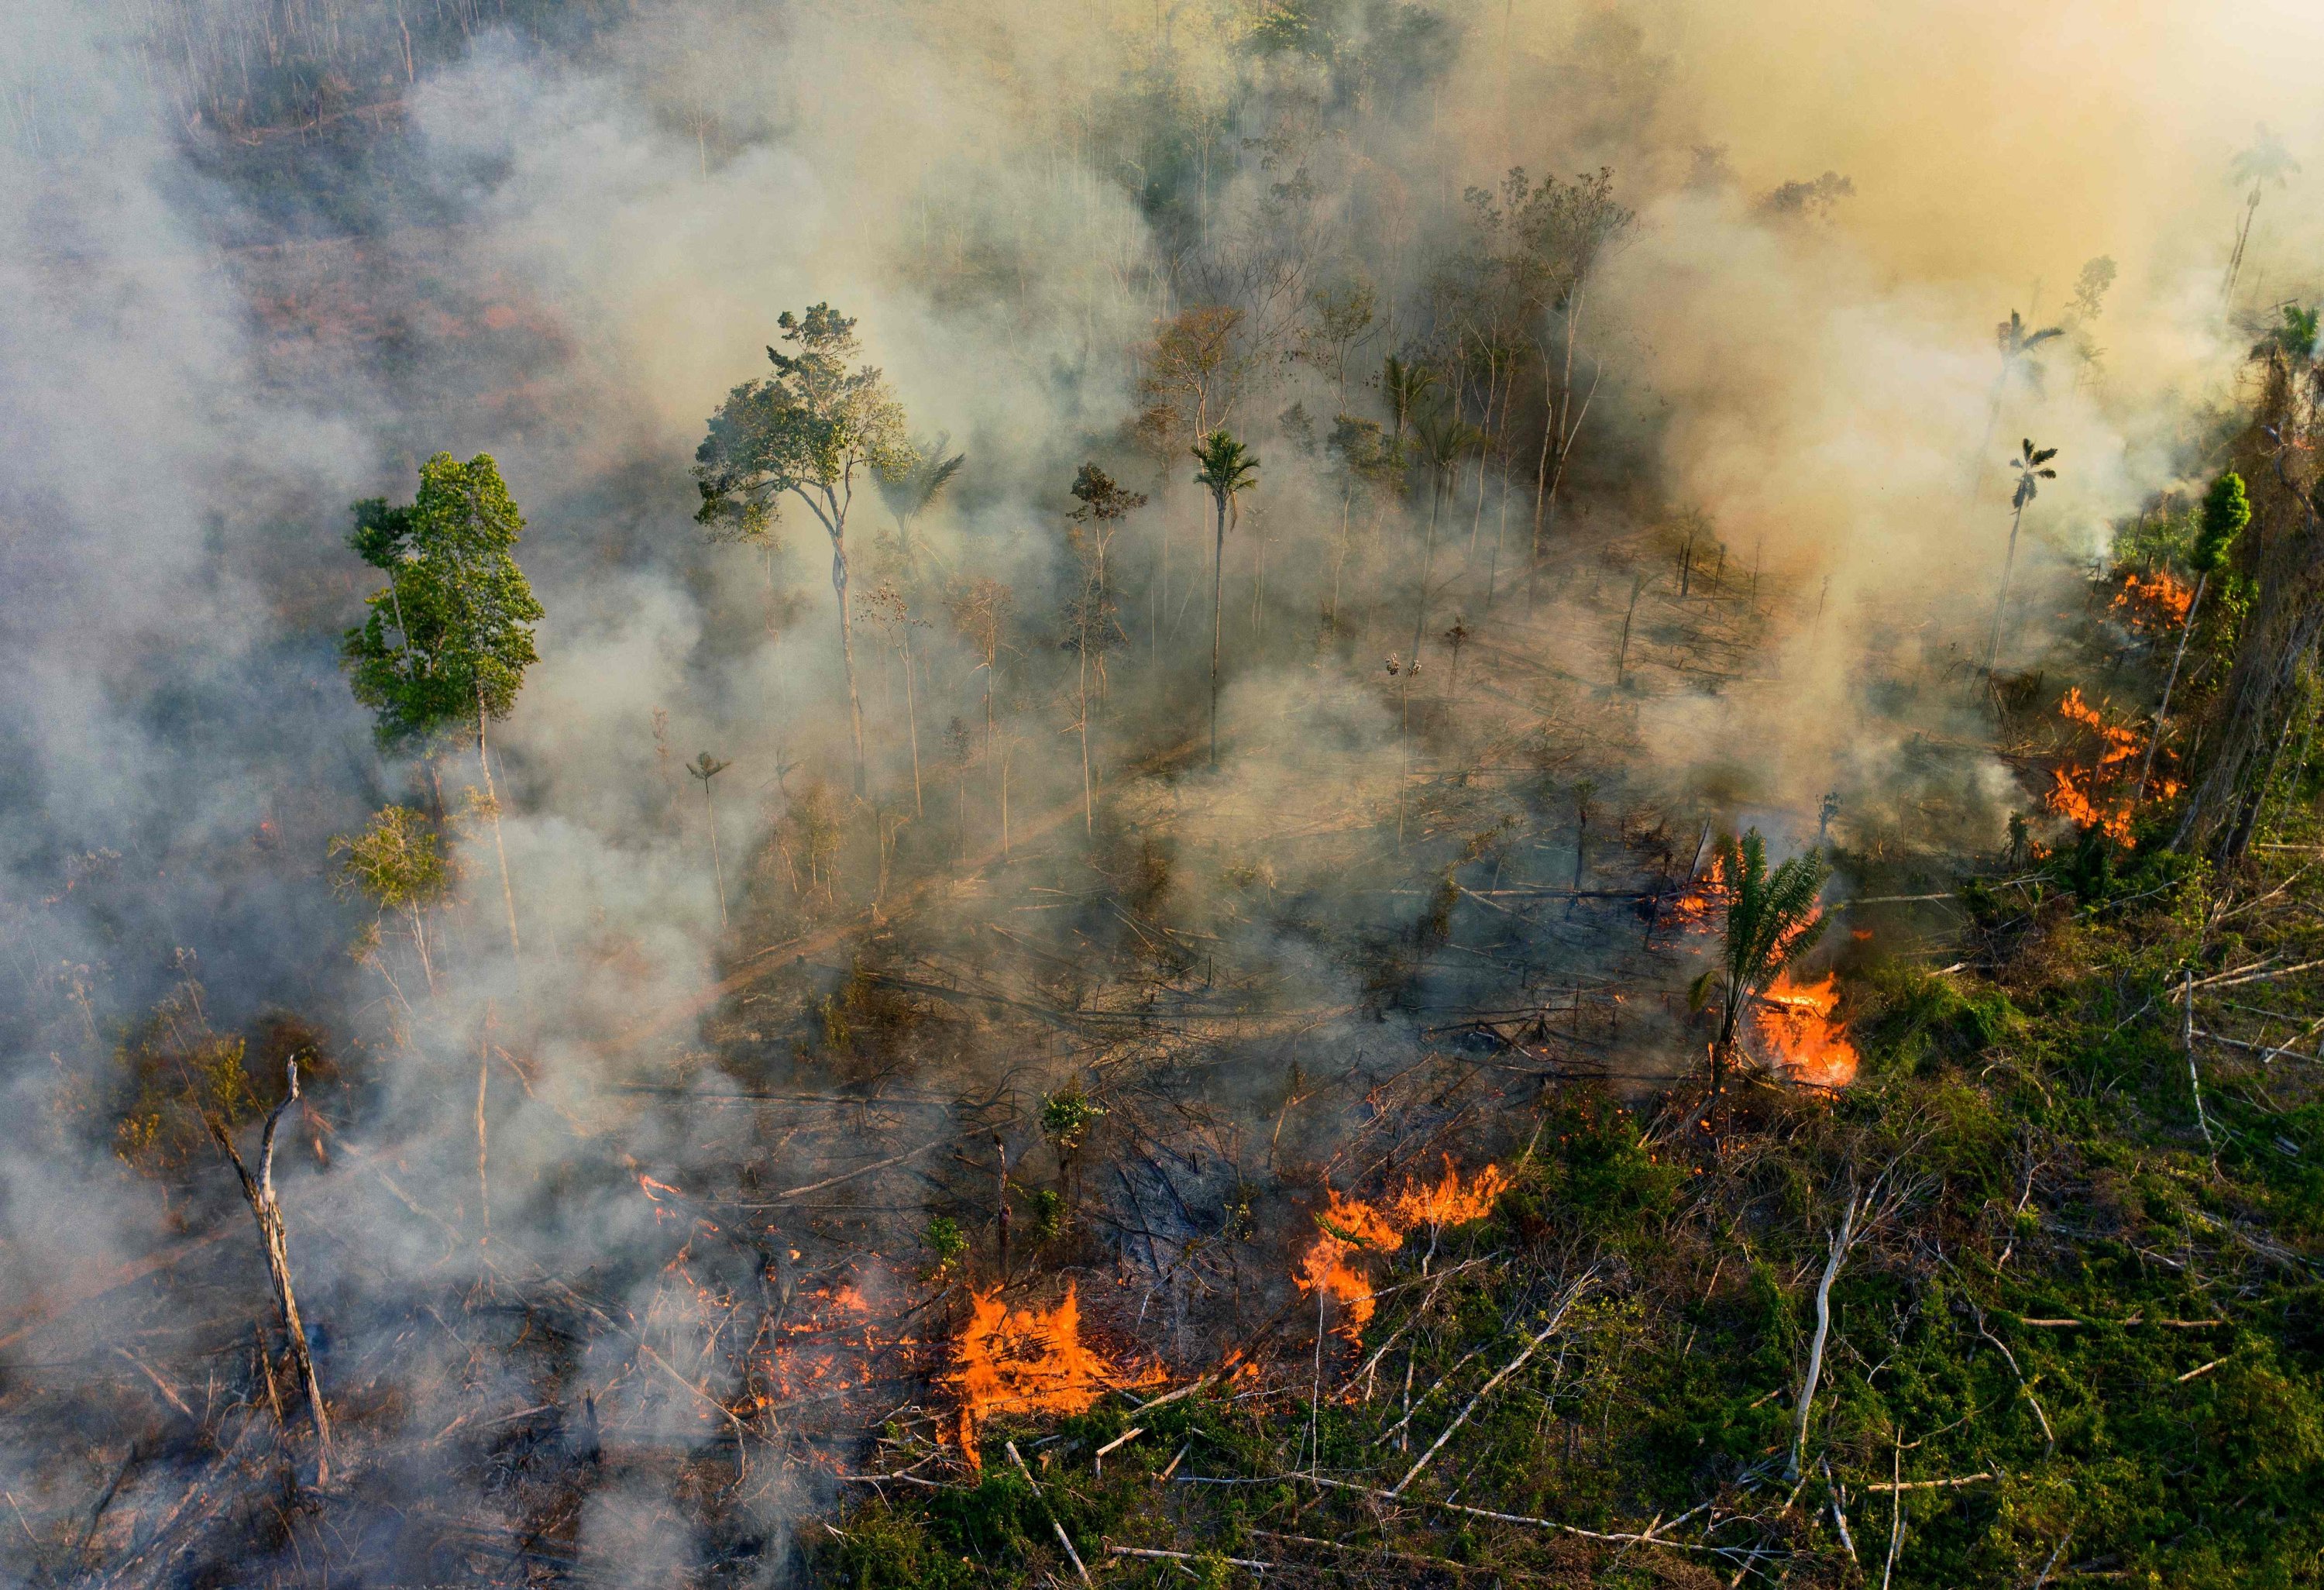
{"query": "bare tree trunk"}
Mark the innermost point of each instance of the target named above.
(718, 868)
(847, 649)
(1218, 593)
(1089, 820)
(267, 1210)
(484, 1074)
(1420, 616)
(2001, 603)
(419, 943)
(492, 800)
(912, 718)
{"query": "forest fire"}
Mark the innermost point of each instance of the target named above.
(1029, 1360)
(2155, 603)
(1352, 1225)
(1697, 905)
(2090, 796)
(1795, 1022)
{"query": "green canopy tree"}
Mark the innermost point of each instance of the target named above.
(399, 865)
(446, 643)
(1228, 469)
(812, 430)
(1771, 921)
(2226, 509)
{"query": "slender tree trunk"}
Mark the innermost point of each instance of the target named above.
(718, 868)
(2001, 603)
(1218, 593)
(484, 1074)
(1420, 616)
(912, 717)
(1477, 517)
(492, 800)
(2162, 713)
(1089, 819)
(419, 943)
(847, 651)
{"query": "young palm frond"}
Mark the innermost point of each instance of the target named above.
(910, 491)
(1404, 385)
(1772, 921)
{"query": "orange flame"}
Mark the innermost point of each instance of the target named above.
(1795, 1021)
(2083, 795)
(1694, 905)
(1351, 1226)
(2153, 601)
(1029, 1360)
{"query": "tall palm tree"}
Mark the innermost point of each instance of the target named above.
(2267, 160)
(2017, 340)
(1228, 469)
(2029, 467)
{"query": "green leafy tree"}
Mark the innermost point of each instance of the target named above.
(1772, 921)
(446, 643)
(812, 430)
(399, 865)
(1228, 469)
(1066, 1118)
(2226, 509)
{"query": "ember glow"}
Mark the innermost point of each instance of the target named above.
(1351, 1226)
(1799, 1035)
(1702, 900)
(1027, 1360)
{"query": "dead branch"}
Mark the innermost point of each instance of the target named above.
(267, 1210)
(1557, 1318)
(1063, 1539)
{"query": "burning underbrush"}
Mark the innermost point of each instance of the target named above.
(1798, 1036)
(1351, 1227)
(2100, 784)
(2153, 603)
(1027, 1360)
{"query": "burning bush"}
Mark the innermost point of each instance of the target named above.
(1350, 1226)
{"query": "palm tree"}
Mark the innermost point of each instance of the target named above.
(2225, 510)
(908, 492)
(1772, 921)
(1227, 467)
(2028, 464)
(2017, 340)
(1404, 385)
(2267, 160)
